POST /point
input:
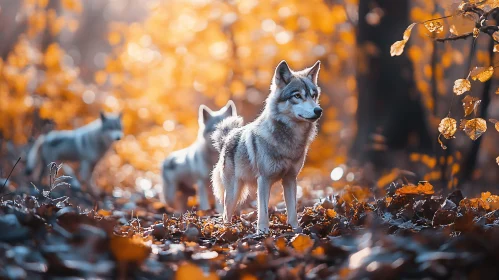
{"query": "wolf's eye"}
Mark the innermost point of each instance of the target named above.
(297, 96)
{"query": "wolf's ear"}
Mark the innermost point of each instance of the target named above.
(230, 108)
(313, 73)
(282, 75)
(204, 113)
(102, 115)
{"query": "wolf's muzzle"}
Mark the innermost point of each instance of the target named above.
(318, 111)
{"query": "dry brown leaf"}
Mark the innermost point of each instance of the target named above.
(331, 213)
(461, 86)
(482, 74)
(434, 26)
(423, 187)
(496, 123)
(397, 48)
(470, 104)
(302, 243)
(474, 128)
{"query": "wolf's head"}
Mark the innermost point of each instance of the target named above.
(209, 119)
(112, 127)
(295, 95)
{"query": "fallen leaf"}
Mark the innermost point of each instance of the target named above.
(280, 244)
(188, 271)
(331, 213)
(318, 252)
(482, 74)
(461, 86)
(423, 187)
(302, 243)
(474, 128)
(129, 249)
(470, 104)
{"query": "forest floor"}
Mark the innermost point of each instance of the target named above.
(411, 232)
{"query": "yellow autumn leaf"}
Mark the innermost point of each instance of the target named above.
(476, 32)
(408, 30)
(474, 128)
(397, 48)
(129, 249)
(302, 243)
(470, 104)
(331, 213)
(496, 123)
(434, 26)
(496, 48)
(318, 252)
(461, 86)
(188, 271)
(423, 187)
(482, 74)
(280, 244)
(447, 127)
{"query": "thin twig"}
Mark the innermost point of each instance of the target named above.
(12, 170)
(455, 38)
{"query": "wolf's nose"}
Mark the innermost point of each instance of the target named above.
(318, 111)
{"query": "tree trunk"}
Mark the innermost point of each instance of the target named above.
(388, 102)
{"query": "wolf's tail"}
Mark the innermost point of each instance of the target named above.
(223, 129)
(33, 155)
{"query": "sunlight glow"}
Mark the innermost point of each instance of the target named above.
(337, 173)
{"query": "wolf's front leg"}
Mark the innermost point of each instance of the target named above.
(204, 203)
(86, 170)
(289, 185)
(264, 185)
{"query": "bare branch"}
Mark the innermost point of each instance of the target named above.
(455, 38)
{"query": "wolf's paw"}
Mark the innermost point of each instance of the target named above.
(297, 229)
(263, 230)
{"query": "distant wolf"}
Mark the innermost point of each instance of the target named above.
(271, 148)
(193, 165)
(86, 145)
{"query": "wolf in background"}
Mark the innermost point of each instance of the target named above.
(271, 148)
(192, 165)
(86, 145)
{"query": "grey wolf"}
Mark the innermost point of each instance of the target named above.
(86, 145)
(270, 149)
(184, 168)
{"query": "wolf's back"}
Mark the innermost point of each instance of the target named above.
(33, 155)
(223, 129)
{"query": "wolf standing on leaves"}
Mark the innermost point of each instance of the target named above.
(86, 144)
(271, 148)
(185, 168)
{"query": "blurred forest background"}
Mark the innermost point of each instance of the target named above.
(62, 61)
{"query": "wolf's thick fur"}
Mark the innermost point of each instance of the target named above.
(271, 148)
(86, 145)
(192, 165)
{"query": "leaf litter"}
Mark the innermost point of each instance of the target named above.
(411, 232)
